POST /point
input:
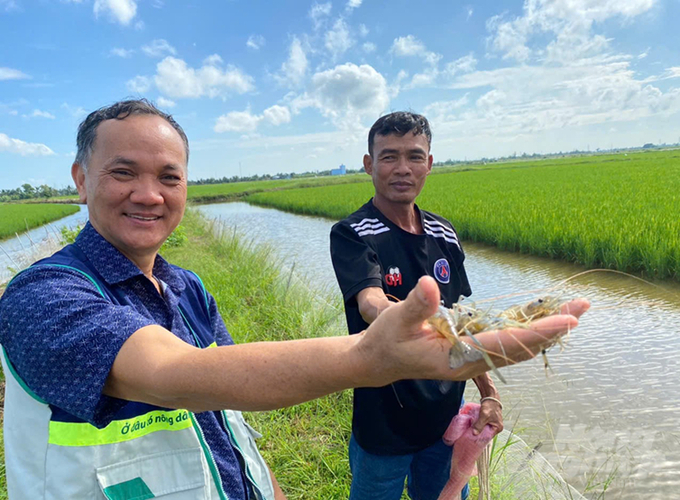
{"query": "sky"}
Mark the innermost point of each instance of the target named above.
(267, 87)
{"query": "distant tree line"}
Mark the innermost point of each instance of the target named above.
(27, 192)
(575, 152)
(265, 177)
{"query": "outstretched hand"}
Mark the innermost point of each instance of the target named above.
(399, 344)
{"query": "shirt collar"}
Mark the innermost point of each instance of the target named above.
(115, 267)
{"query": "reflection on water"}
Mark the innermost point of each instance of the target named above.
(610, 404)
(33, 243)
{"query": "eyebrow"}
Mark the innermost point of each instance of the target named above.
(397, 151)
(122, 160)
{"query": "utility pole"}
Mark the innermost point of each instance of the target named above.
(240, 172)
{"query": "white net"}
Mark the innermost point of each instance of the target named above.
(520, 472)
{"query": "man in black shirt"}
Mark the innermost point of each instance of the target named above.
(383, 249)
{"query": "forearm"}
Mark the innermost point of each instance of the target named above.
(486, 386)
(248, 377)
(372, 301)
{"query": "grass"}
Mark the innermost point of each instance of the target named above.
(612, 211)
(19, 217)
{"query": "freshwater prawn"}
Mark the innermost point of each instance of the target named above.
(468, 320)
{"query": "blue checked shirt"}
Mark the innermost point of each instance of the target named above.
(62, 338)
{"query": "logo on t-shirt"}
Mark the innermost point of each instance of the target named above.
(442, 271)
(393, 277)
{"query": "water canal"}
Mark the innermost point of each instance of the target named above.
(610, 405)
(17, 252)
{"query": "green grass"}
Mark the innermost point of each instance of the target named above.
(611, 211)
(18, 217)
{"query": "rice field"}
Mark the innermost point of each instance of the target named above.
(19, 217)
(209, 193)
(617, 211)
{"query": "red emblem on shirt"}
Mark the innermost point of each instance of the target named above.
(393, 277)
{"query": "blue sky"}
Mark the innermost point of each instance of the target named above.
(267, 87)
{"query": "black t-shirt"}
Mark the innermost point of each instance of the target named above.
(368, 250)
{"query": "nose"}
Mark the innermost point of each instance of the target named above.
(403, 166)
(147, 191)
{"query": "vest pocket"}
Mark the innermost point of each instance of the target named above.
(168, 475)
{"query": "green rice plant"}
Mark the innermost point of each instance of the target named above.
(211, 193)
(617, 212)
(19, 217)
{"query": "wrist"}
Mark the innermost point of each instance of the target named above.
(492, 400)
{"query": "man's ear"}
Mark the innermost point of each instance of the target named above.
(368, 164)
(78, 174)
(430, 159)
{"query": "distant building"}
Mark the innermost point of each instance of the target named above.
(341, 170)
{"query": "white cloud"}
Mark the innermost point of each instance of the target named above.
(369, 47)
(469, 10)
(175, 79)
(353, 4)
(245, 121)
(165, 103)
(13, 112)
(409, 45)
(464, 64)
(338, 39)
(77, 112)
(255, 42)
(293, 71)
(139, 84)
(124, 53)
(122, 11)
(446, 108)
(363, 30)
(319, 12)
(237, 121)
(527, 100)
(277, 115)
(159, 48)
(570, 21)
(12, 74)
(41, 114)
(424, 79)
(346, 94)
(17, 146)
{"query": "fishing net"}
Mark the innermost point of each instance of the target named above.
(519, 471)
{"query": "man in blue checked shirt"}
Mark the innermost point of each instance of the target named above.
(122, 380)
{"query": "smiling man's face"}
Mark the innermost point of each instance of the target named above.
(135, 183)
(399, 166)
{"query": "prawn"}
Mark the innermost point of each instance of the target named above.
(467, 320)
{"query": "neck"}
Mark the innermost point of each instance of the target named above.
(143, 262)
(403, 215)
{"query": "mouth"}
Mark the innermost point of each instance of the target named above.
(143, 218)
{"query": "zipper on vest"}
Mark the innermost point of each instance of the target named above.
(217, 479)
(234, 443)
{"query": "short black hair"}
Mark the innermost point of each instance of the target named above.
(87, 131)
(400, 123)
